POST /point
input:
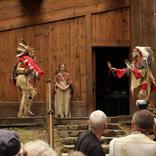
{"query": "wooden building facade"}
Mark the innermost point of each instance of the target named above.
(83, 34)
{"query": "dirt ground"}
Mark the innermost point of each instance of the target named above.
(37, 132)
(31, 133)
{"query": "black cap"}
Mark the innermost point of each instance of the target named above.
(9, 143)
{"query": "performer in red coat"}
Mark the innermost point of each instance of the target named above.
(24, 70)
(141, 73)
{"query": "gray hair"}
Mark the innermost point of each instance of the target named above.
(39, 148)
(97, 119)
(144, 120)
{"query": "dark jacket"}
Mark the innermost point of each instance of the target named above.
(89, 144)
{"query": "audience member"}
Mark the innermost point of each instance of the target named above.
(89, 142)
(37, 148)
(137, 143)
(76, 153)
(9, 143)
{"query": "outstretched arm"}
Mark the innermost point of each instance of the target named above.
(117, 72)
(129, 66)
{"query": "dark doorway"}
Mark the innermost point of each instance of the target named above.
(111, 93)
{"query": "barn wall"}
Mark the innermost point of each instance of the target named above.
(20, 13)
(61, 32)
(111, 28)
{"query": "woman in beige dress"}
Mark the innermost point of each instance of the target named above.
(63, 92)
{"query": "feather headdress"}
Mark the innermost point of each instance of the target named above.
(147, 53)
(23, 49)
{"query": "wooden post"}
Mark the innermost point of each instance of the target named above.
(50, 115)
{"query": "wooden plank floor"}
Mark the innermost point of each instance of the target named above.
(41, 120)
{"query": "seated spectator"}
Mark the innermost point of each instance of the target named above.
(138, 143)
(89, 142)
(9, 143)
(76, 153)
(37, 148)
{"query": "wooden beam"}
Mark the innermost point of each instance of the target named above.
(51, 11)
(110, 43)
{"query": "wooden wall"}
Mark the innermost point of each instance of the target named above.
(61, 32)
(55, 43)
(111, 28)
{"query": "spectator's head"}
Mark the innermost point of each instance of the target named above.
(9, 143)
(97, 121)
(38, 148)
(141, 104)
(76, 153)
(143, 121)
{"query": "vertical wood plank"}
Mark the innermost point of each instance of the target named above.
(74, 57)
(89, 105)
(148, 22)
(82, 55)
(136, 22)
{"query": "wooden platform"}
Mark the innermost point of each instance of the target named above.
(41, 120)
(15, 121)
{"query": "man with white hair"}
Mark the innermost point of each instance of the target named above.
(89, 142)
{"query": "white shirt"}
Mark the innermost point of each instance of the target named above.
(135, 144)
